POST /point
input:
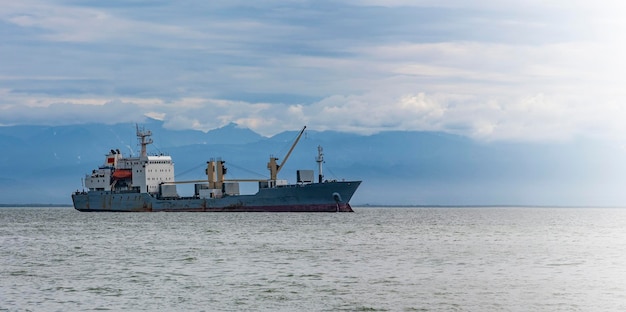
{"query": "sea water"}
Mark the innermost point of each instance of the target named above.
(376, 259)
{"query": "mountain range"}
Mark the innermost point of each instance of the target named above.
(44, 164)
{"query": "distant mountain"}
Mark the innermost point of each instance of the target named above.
(232, 134)
(45, 164)
(229, 134)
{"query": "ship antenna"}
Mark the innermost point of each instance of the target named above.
(320, 160)
(143, 137)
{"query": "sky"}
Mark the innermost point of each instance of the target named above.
(490, 70)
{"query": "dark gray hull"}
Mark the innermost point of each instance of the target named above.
(317, 197)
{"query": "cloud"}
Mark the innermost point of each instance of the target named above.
(521, 70)
(71, 113)
(540, 117)
(63, 23)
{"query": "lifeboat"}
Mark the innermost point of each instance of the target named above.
(120, 174)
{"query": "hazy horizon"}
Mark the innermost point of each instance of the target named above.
(45, 164)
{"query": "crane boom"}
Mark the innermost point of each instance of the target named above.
(291, 149)
(275, 168)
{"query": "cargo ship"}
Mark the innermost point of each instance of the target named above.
(146, 183)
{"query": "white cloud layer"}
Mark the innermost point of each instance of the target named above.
(523, 70)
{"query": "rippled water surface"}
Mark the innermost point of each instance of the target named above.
(377, 259)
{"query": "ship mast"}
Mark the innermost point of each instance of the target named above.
(320, 160)
(144, 139)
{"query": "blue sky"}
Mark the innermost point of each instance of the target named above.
(486, 69)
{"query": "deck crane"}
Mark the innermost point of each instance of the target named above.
(274, 167)
(216, 171)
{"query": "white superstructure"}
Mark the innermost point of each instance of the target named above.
(144, 173)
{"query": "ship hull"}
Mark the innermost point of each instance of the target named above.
(318, 197)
